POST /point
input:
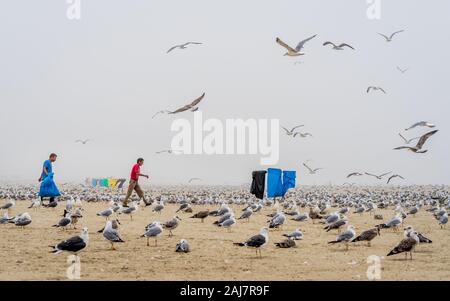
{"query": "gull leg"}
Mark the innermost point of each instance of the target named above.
(148, 244)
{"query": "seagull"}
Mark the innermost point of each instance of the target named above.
(418, 148)
(246, 214)
(190, 106)
(408, 141)
(21, 220)
(291, 132)
(297, 234)
(9, 205)
(287, 243)
(368, 235)
(182, 246)
(65, 221)
(345, 236)
(389, 39)
(154, 231)
(201, 215)
(354, 174)
(159, 112)
(75, 217)
(406, 245)
(257, 241)
(302, 135)
(394, 176)
(106, 213)
(35, 204)
(443, 220)
(228, 223)
(300, 217)
(291, 51)
(336, 225)
(194, 179)
(183, 207)
(338, 47)
(130, 210)
(380, 177)
(74, 244)
(5, 219)
(82, 141)
(158, 207)
(312, 171)
(421, 123)
(183, 46)
(172, 224)
(170, 151)
(393, 223)
(402, 70)
(374, 88)
(277, 221)
(422, 239)
(111, 234)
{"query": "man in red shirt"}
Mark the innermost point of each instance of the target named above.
(134, 185)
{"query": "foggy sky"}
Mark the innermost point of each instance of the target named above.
(104, 76)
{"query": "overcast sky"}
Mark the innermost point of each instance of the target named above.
(104, 76)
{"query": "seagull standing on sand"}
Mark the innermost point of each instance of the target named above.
(183, 46)
(65, 221)
(172, 224)
(291, 51)
(346, 236)
(257, 241)
(297, 234)
(368, 235)
(246, 214)
(111, 233)
(74, 244)
(154, 231)
(406, 245)
(422, 239)
(182, 246)
(418, 148)
(22, 220)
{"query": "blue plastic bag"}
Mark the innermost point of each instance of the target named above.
(48, 187)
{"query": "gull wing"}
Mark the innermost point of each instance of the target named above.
(289, 48)
(424, 138)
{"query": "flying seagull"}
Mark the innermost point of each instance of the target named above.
(375, 89)
(192, 106)
(291, 132)
(394, 176)
(82, 141)
(354, 174)
(312, 171)
(421, 123)
(257, 241)
(303, 135)
(380, 177)
(73, 244)
(418, 148)
(389, 39)
(402, 70)
(291, 51)
(169, 151)
(408, 141)
(338, 47)
(194, 179)
(183, 46)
